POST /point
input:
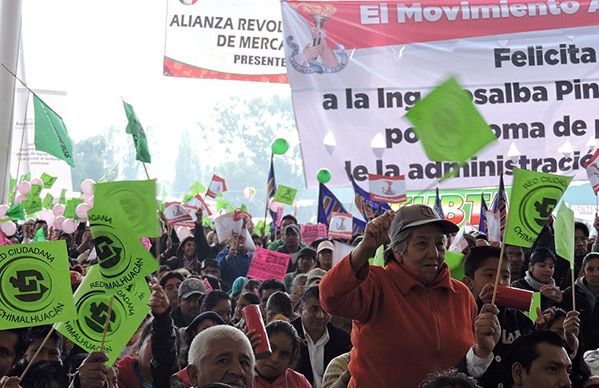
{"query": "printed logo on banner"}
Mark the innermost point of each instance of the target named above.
(317, 57)
(93, 308)
(25, 289)
(542, 204)
(341, 226)
(111, 251)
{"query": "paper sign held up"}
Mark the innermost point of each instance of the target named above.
(341, 226)
(390, 189)
(311, 232)
(592, 167)
(268, 265)
(217, 186)
(176, 214)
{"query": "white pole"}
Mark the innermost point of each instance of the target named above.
(10, 31)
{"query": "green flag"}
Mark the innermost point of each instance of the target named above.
(448, 124)
(138, 200)
(16, 213)
(48, 201)
(196, 188)
(69, 210)
(63, 197)
(32, 204)
(25, 177)
(35, 190)
(32, 284)
(533, 198)
(285, 195)
(455, 262)
(536, 302)
(86, 325)
(40, 235)
(50, 133)
(122, 257)
(48, 180)
(11, 190)
(379, 257)
(259, 226)
(134, 128)
(564, 233)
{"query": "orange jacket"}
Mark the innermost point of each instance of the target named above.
(402, 330)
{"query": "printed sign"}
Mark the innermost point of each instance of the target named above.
(268, 265)
(312, 232)
(390, 189)
(341, 226)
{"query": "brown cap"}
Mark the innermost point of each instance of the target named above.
(409, 216)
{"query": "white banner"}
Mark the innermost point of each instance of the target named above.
(225, 39)
(355, 69)
(24, 157)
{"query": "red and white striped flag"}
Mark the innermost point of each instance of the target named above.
(499, 205)
(217, 186)
(592, 167)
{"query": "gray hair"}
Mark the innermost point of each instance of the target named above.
(199, 345)
(400, 242)
(296, 281)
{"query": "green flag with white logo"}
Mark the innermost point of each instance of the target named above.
(50, 133)
(48, 180)
(285, 194)
(86, 325)
(32, 284)
(122, 258)
(533, 198)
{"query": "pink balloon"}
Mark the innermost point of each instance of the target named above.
(58, 209)
(3, 209)
(58, 220)
(24, 187)
(19, 198)
(90, 201)
(8, 228)
(46, 215)
(69, 226)
(86, 196)
(81, 211)
(37, 181)
(87, 186)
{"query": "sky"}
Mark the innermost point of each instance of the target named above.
(101, 51)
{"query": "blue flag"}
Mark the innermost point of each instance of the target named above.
(328, 203)
(437, 206)
(271, 186)
(482, 223)
(499, 205)
(368, 208)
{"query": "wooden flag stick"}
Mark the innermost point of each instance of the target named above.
(498, 274)
(146, 170)
(107, 323)
(573, 289)
(32, 361)
(266, 203)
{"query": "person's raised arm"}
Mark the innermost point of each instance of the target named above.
(164, 347)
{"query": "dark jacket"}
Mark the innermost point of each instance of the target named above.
(339, 343)
(513, 325)
(193, 264)
(164, 350)
(203, 250)
(233, 267)
(178, 319)
(561, 274)
(588, 307)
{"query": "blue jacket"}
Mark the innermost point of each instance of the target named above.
(233, 267)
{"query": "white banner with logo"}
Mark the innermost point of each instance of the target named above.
(356, 68)
(225, 39)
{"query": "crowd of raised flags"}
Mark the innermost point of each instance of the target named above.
(111, 302)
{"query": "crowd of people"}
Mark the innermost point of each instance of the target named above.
(331, 325)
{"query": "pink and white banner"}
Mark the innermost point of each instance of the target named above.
(356, 68)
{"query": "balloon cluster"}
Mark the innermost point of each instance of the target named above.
(54, 217)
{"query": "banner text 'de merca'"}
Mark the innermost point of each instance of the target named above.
(356, 69)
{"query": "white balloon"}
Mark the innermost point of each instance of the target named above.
(8, 228)
(81, 211)
(24, 187)
(87, 186)
(19, 198)
(58, 220)
(37, 181)
(69, 226)
(58, 209)
(3, 209)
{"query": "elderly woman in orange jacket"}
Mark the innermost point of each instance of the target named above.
(410, 318)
